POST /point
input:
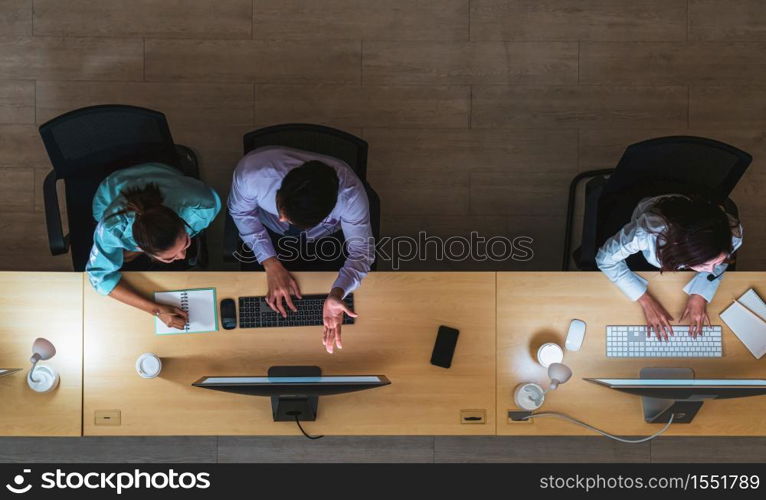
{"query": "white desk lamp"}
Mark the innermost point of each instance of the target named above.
(558, 373)
(42, 378)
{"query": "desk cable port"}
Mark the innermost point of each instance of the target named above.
(108, 417)
(520, 416)
(473, 416)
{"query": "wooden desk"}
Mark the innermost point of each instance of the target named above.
(536, 307)
(41, 305)
(394, 336)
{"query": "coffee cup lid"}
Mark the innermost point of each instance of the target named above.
(148, 365)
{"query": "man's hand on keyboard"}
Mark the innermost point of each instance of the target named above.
(696, 314)
(332, 316)
(281, 286)
(657, 317)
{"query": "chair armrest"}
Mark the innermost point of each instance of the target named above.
(200, 260)
(731, 208)
(570, 211)
(58, 242)
(231, 241)
(187, 161)
(588, 249)
(374, 203)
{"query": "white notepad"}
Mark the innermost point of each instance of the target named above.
(747, 319)
(199, 303)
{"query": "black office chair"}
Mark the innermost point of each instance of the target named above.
(679, 164)
(318, 139)
(88, 144)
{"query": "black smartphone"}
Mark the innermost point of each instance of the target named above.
(228, 314)
(444, 347)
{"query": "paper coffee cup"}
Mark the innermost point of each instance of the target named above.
(148, 365)
(550, 353)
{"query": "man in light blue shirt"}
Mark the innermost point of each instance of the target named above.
(692, 234)
(286, 191)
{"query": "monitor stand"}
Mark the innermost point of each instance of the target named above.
(658, 410)
(285, 408)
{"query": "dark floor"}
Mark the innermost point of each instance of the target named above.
(478, 112)
(423, 449)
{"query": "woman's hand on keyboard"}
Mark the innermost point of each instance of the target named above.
(696, 314)
(657, 317)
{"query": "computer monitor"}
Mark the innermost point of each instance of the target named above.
(294, 390)
(668, 391)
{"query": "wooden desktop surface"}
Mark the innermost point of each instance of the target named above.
(534, 308)
(41, 305)
(399, 314)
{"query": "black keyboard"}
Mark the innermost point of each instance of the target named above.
(254, 312)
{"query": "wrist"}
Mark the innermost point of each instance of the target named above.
(337, 293)
(271, 263)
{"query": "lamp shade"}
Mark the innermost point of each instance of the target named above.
(559, 373)
(42, 378)
(42, 349)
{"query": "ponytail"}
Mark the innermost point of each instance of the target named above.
(142, 200)
(156, 227)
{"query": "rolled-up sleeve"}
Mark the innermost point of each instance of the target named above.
(243, 208)
(105, 261)
(701, 285)
(360, 244)
(611, 259)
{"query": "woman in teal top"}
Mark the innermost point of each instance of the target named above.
(150, 209)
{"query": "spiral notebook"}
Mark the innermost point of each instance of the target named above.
(747, 319)
(199, 303)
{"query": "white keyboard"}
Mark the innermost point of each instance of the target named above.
(632, 342)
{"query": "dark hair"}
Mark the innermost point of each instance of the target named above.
(308, 194)
(696, 231)
(156, 227)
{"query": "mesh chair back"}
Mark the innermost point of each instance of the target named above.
(316, 138)
(685, 165)
(95, 141)
(86, 145)
(696, 162)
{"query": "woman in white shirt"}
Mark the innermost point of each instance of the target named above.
(674, 233)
